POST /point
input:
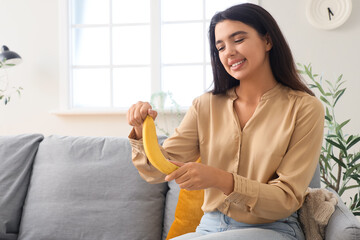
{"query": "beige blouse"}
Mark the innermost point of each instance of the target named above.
(272, 159)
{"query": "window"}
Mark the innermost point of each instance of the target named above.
(122, 51)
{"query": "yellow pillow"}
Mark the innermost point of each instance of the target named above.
(188, 212)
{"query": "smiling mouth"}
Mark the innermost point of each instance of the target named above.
(238, 63)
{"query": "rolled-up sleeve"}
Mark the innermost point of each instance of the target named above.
(182, 146)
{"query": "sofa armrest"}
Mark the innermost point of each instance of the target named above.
(342, 225)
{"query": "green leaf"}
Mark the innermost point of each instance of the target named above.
(357, 157)
(335, 144)
(339, 85)
(306, 69)
(355, 177)
(352, 169)
(329, 118)
(338, 161)
(339, 92)
(333, 177)
(331, 136)
(353, 142)
(328, 82)
(339, 127)
(339, 78)
(320, 88)
(326, 162)
(350, 187)
(349, 139)
(339, 135)
(339, 96)
(328, 114)
(325, 101)
(300, 71)
(343, 148)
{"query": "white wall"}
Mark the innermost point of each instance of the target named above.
(331, 52)
(31, 29)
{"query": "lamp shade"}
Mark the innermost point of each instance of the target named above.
(9, 58)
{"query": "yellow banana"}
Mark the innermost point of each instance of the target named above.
(152, 148)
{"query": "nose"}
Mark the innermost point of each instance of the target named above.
(230, 51)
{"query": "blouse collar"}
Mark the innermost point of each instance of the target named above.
(231, 93)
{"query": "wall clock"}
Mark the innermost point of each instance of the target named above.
(328, 14)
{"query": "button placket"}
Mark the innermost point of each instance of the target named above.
(238, 139)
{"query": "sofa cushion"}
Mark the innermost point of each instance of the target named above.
(87, 188)
(16, 158)
(315, 181)
(172, 197)
(188, 213)
(342, 225)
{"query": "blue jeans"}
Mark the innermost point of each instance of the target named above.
(215, 225)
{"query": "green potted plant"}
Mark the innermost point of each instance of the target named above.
(169, 116)
(5, 89)
(339, 163)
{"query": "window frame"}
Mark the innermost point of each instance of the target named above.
(65, 64)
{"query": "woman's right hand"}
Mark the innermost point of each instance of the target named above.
(137, 114)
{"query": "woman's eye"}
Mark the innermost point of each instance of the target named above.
(221, 48)
(239, 40)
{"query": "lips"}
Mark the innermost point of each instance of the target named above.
(236, 64)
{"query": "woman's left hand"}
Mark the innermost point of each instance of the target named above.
(195, 176)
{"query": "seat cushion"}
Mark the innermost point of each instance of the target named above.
(172, 197)
(16, 158)
(87, 188)
(342, 225)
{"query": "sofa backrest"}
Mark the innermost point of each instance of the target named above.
(16, 158)
(87, 188)
(315, 181)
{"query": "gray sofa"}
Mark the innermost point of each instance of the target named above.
(61, 187)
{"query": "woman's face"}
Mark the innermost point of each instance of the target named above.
(242, 51)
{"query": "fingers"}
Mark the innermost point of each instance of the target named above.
(179, 164)
(187, 176)
(176, 174)
(152, 113)
(138, 112)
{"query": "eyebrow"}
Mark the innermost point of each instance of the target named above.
(232, 35)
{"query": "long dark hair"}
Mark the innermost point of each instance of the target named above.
(281, 60)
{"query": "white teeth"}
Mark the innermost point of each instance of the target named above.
(235, 64)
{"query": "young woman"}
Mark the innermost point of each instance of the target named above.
(258, 133)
